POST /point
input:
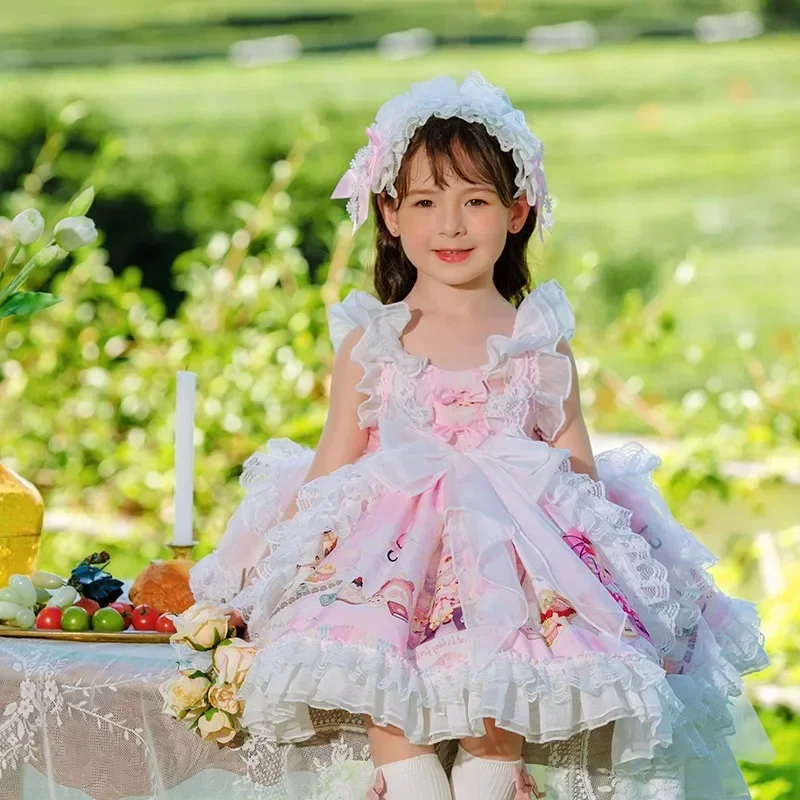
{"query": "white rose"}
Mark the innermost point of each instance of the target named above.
(232, 659)
(74, 232)
(28, 226)
(225, 698)
(216, 726)
(202, 626)
(184, 694)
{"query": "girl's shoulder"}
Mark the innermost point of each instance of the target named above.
(544, 312)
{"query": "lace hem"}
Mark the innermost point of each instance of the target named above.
(734, 623)
(581, 503)
(333, 502)
(270, 480)
(542, 702)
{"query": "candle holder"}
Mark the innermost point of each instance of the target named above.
(182, 551)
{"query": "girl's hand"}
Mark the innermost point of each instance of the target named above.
(235, 619)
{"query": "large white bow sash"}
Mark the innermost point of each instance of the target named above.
(490, 498)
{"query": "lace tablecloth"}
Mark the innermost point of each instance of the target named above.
(82, 721)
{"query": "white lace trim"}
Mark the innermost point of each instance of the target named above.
(736, 624)
(331, 502)
(541, 701)
(269, 479)
(543, 318)
(582, 503)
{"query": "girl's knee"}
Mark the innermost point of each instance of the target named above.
(497, 743)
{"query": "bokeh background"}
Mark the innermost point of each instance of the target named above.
(214, 132)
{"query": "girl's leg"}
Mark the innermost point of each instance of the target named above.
(490, 767)
(403, 771)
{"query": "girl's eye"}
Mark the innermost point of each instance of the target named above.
(478, 200)
(420, 202)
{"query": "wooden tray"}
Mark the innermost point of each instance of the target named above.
(127, 637)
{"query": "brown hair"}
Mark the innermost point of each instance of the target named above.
(474, 156)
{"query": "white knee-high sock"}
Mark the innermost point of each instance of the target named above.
(417, 778)
(475, 778)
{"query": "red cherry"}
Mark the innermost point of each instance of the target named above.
(165, 624)
(49, 619)
(145, 618)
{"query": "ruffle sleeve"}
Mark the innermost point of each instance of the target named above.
(383, 325)
(546, 317)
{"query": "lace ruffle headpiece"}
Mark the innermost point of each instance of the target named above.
(375, 166)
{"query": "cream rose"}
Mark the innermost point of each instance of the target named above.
(184, 693)
(232, 659)
(225, 698)
(216, 726)
(202, 626)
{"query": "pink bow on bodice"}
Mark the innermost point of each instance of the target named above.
(447, 396)
(472, 431)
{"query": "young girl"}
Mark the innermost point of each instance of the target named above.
(457, 566)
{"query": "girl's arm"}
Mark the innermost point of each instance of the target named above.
(342, 441)
(573, 434)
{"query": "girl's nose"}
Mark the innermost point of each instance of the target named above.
(451, 221)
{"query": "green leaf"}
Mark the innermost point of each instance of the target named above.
(23, 304)
(82, 203)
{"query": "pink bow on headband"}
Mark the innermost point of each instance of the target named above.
(448, 395)
(525, 784)
(357, 185)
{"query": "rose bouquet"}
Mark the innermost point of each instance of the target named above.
(205, 695)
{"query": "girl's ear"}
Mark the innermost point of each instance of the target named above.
(518, 213)
(389, 213)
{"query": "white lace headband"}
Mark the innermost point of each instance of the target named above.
(375, 166)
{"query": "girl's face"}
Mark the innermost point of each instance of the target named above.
(453, 234)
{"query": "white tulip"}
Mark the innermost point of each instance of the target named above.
(75, 232)
(28, 226)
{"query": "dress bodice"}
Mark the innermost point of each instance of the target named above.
(519, 391)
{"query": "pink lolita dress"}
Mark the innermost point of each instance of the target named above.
(460, 570)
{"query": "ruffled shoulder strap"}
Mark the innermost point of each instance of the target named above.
(356, 310)
(383, 324)
(546, 312)
(545, 317)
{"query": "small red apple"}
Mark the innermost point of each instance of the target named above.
(145, 618)
(165, 625)
(89, 605)
(126, 609)
(49, 619)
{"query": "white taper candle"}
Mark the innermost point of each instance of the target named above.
(183, 533)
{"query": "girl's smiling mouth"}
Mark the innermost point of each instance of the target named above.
(452, 256)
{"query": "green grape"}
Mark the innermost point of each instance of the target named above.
(9, 610)
(42, 596)
(22, 585)
(46, 580)
(63, 597)
(25, 618)
(9, 595)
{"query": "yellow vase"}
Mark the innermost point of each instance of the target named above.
(21, 516)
